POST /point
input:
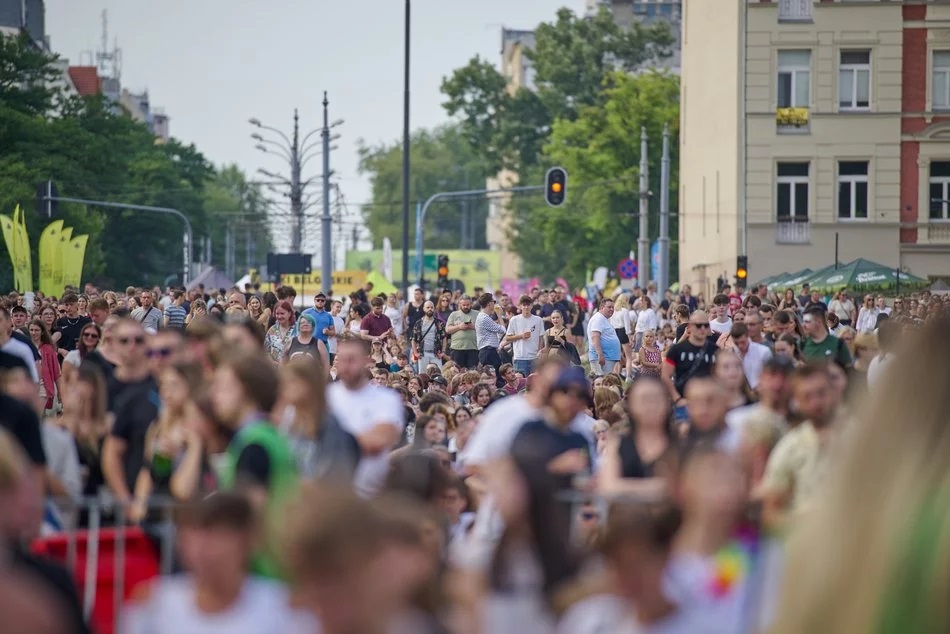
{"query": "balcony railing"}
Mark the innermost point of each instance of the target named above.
(794, 10)
(792, 231)
(791, 120)
(938, 232)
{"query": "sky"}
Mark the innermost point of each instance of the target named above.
(213, 64)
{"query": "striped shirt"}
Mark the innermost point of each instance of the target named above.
(175, 315)
(488, 333)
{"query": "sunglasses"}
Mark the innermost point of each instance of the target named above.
(90, 335)
(139, 340)
(704, 324)
(156, 353)
(319, 301)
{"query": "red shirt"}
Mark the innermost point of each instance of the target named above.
(374, 325)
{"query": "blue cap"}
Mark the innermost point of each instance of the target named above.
(572, 377)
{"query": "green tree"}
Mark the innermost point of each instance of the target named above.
(572, 57)
(231, 200)
(94, 151)
(441, 160)
(598, 225)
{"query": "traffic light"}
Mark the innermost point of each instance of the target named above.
(742, 268)
(443, 281)
(555, 186)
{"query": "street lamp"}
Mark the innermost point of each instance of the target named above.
(405, 158)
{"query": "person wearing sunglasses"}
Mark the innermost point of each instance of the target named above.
(691, 358)
(133, 403)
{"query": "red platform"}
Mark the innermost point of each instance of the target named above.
(141, 564)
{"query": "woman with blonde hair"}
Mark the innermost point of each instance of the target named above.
(874, 553)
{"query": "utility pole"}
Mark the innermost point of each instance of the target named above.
(405, 159)
(664, 274)
(247, 248)
(296, 195)
(643, 241)
(326, 264)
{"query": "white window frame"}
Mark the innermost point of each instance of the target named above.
(852, 181)
(939, 102)
(792, 181)
(799, 73)
(854, 71)
(944, 182)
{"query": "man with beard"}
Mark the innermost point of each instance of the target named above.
(427, 339)
(461, 326)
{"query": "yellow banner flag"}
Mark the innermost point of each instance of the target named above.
(23, 252)
(73, 260)
(58, 270)
(6, 225)
(49, 244)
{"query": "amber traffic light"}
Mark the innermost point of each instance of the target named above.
(555, 186)
(443, 271)
(742, 268)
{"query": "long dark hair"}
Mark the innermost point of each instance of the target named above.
(81, 345)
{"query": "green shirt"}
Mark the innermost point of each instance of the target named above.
(830, 349)
(282, 484)
(463, 339)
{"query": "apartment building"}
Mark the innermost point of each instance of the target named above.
(625, 12)
(810, 129)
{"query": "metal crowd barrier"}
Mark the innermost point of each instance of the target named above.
(108, 534)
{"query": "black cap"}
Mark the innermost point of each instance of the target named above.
(439, 379)
(320, 296)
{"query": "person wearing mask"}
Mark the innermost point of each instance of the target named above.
(797, 470)
(427, 339)
(818, 344)
(488, 332)
(373, 414)
(603, 343)
(259, 461)
(216, 539)
(460, 326)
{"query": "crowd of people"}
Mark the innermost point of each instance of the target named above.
(624, 463)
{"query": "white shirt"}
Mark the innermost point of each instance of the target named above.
(753, 362)
(647, 320)
(497, 429)
(720, 327)
(358, 412)
(262, 606)
(338, 326)
(20, 349)
(620, 318)
(526, 349)
(395, 316)
(877, 368)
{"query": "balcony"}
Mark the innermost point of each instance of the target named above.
(793, 231)
(938, 232)
(792, 120)
(795, 10)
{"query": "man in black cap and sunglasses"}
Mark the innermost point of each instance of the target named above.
(693, 357)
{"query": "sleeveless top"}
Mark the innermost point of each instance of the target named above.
(652, 355)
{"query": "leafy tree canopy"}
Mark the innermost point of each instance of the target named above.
(92, 150)
(441, 160)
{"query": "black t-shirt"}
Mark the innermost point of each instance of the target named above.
(413, 314)
(631, 464)
(297, 348)
(253, 466)
(680, 331)
(691, 361)
(542, 442)
(94, 357)
(70, 330)
(135, 406)
(19, 336)
(24, 425)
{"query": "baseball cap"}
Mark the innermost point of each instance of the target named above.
(572, 379)
(439, 379)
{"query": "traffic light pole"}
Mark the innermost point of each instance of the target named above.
(424, 208)
(189, 235)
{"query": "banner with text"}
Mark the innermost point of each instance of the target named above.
(342, 282)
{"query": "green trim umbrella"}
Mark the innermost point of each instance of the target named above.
(790, 280)
(863, 276)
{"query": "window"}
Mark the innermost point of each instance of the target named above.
(852, 190)
(940, 81)
(794, 79)
(940, 190)
(792, 192)
(854, 80)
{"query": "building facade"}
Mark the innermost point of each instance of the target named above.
(814, 130)
(626, 12)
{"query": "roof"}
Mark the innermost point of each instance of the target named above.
(85, 79)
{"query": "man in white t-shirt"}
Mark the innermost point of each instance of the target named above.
(338, 327)
(373, 414)
(721, 324)
(753, 355)
(525, 331)
(216, 538)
